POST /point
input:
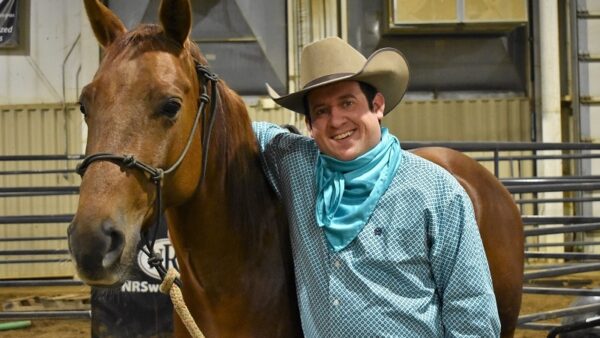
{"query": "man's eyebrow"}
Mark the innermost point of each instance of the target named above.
(347, 96)
(339, 98)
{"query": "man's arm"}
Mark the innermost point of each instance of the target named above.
(265, 133)
(461, 271)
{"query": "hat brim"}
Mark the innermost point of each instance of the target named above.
(386, 70)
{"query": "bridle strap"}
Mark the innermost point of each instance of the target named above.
(205, 77)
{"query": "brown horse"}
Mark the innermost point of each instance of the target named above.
(500, 227)
(228, 230)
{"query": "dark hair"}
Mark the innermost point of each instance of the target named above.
(366, 88)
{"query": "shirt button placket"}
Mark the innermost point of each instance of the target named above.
(335, 278)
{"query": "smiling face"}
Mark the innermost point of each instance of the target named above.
(341, 122)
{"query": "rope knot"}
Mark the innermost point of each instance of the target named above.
(129, 161)
(155, 259)
(167, 283)
(158, 175)
(206, 73)
(204, 98)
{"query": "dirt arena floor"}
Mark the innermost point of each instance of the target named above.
(76, 328)
(47, 328)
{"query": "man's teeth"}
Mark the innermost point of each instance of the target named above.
(344, 135)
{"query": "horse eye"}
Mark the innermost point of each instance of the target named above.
(170, 108)
(82, 109)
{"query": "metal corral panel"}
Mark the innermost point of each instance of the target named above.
(462, 120)
(37, 130)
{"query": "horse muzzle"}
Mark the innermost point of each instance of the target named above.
(97, 251)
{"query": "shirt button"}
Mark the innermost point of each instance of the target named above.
(335, 302)
(337, 263)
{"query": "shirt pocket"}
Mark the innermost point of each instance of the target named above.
(395, 247)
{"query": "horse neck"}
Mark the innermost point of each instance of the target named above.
(233, 225)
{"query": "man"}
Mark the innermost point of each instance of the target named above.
(385, 243)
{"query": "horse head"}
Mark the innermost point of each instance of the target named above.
(140, 107)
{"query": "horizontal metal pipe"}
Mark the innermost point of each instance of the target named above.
(560, 291)
(584, 14)
(536, 157)
(531, 188)
(538, 326)
(35, 261)
(503, 146)
(571, 243)
(558, 200)
(589, 308)
(36, 219)
(73, 189)
(537, 266)
(46, 314)
(28, 239)
(37, 194)
(561, 271)
(16, 158)
(536, 180)
(563, 255)
(587, 57)
(37, 172)
(33, 252)
(561, 229)
(532, 219)
(40, 282)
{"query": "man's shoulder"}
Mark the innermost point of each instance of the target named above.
(425, 172)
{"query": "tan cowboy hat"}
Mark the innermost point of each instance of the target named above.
(332, 60)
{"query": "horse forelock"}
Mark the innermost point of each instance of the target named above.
(151, 37)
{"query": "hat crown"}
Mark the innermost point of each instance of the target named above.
(327, 59)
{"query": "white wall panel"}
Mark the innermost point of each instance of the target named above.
(37, 130)
(46, 67)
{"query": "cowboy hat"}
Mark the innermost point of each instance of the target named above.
(332, 60)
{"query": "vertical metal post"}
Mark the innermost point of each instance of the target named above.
(551, 131)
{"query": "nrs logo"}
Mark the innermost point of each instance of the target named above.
(165, 249)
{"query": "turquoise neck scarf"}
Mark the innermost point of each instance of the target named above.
(347, 191)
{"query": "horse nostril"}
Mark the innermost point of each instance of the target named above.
(117, 242)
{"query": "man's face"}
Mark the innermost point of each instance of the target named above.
(341, 122)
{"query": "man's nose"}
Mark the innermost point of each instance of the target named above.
(337, 116)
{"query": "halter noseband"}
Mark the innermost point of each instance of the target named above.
(206, 77)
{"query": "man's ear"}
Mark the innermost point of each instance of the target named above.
(308, 124)
(379, 105)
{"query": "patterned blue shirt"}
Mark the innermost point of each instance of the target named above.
(417, 269)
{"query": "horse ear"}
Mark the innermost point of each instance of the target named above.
(176, 19)
(106, 25)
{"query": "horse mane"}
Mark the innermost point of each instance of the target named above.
(250, 197)
(233, 145)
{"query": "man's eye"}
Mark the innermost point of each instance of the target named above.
(319, 111)
(348, 104)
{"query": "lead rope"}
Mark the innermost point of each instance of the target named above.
(168, 287)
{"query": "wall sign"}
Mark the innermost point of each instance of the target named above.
(9, 31)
